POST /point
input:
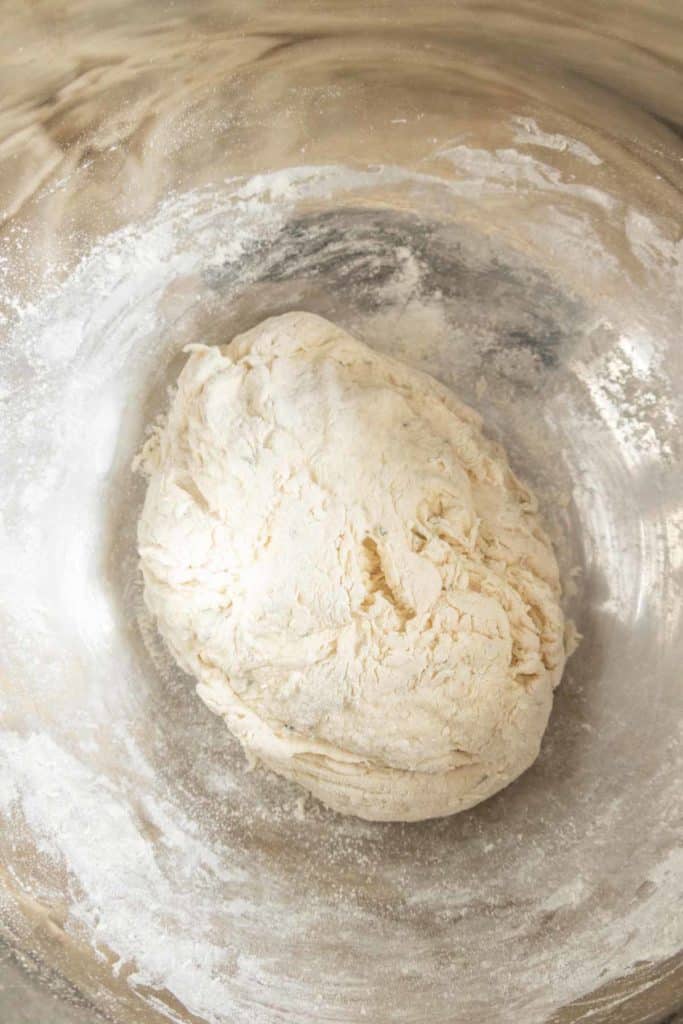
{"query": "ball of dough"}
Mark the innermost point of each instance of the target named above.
(351, 572)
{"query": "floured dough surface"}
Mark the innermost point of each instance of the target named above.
(351, 571)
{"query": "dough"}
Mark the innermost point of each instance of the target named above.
(351, 572)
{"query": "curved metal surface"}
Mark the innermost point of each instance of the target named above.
(493, 194)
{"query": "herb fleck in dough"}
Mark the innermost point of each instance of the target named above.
(351, 572)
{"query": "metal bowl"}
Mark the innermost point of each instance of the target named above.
(492, 194)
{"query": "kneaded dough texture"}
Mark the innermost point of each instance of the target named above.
(351, 571)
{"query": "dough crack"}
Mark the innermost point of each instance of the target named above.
(376, 582)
